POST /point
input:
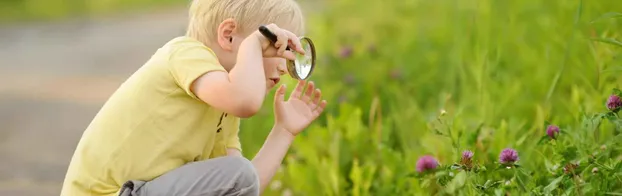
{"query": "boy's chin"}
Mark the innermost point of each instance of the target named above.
(273, 88)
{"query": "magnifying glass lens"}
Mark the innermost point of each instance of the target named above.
(304, 62)
(303, 65)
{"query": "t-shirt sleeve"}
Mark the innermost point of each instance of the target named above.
(233, 139)
(189, 63)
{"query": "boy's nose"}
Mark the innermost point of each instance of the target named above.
(282, 68)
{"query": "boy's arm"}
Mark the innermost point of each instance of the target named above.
(269, 158)
(291, 118)
(240, 92)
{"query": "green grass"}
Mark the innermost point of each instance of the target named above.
(502, 71)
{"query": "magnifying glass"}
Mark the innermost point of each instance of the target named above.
(302, 67)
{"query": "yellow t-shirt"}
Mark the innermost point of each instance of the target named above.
(152, 124)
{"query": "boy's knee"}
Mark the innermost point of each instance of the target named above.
(246, 176)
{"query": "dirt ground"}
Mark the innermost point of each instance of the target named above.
(53, 79)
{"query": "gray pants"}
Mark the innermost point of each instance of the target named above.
(229, 175)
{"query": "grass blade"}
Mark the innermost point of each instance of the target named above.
(609, 41)
(567, 52)
(608, 15)
(613, 69)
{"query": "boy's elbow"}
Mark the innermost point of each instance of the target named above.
(246, 112)
(248, 107)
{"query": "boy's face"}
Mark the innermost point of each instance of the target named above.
(230, 41)
(274, 68)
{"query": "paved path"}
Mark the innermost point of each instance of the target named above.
(54, 78)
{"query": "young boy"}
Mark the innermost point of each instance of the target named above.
(172, 128)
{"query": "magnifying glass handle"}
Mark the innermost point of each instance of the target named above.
(268, 34)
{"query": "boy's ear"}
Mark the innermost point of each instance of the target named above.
(226, 29)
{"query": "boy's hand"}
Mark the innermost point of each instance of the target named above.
(284, 38)
(300, 109)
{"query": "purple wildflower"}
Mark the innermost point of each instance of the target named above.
(342, 99)
(426, 163)
(395, 74)
(467, 159)
(372, 48)
(552, 131)
(508, 156)
(614, 103)
(346, 52)
(571, 168)
(467, 155)
(349, 79)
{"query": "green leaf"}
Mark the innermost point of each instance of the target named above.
(370, 171)
(356, 177)
(425, 182)
(611, 116)
(543, 139)
(612, 69)
(608, 15)
(499, 192)
(443, 180)
(457, 183)
(437, 132)
(617, 92)
(608, 41)
(482, 168)
(455, 167)
(522, 139)
(487, 184)
(495, 184)
(549, 166)
(553, 185)
(570, 153)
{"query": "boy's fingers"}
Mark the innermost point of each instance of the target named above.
(316, 97)
(298, 91)
(309, 92)
(289, 55)
(306, 97)
(275, 30)
(320, 108)
(296, 41)
(315, 102)
(282, 41)
(280, 95)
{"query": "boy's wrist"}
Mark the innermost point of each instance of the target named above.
(264, 43)
(283, 133)
(252, 41)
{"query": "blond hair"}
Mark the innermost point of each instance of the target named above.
(206, 15)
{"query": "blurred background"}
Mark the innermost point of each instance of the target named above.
(498, 70)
